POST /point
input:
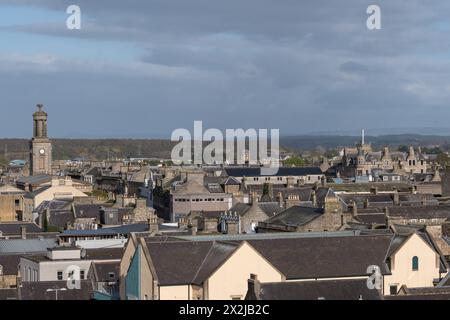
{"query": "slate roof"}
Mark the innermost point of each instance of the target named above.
(37, 192)
(283, 171)
(60, 218)
(104, 254)
(87, 210)
(53, 205)
(14, 228)
(413, 212)
(431, 293)
(240, 208)
(186, 262)
(231, 181)
(10, 263)
(218, 253)
(8, 294)
(325, 257)
(304, 193)
(106, 271)
(37, 179)
(123, 229)
(269, 208)
(26, 245)
(38, 291)
(388, 199)
(295, 216)
(350, 289)
(376, 218)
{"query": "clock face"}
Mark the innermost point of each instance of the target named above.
(42, 151)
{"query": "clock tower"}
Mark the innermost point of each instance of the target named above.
(40, 145)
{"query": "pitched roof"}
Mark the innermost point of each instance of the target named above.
(60, 218)
(106, 271)
(10, 263)
(270, 208)
(123, 229)
(87, 210)
(283, 171)
(7, 188)
(26, 245)
(348, 289)
(14, 228)
(38, 291)
(430, 293)
(186, 262)
(217, 255)
(295, 216)
(42, 178)
(104, 253)
(325, 257)
(376, 218)
(231, 181)
(8, 294)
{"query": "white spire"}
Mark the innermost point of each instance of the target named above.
(362, 139)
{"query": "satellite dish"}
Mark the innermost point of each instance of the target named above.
(83, 253)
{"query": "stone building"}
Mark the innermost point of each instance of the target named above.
(330, 217)
(40, 145)
(13, 205)
(360, 161)
(248, 216)
(192, 195)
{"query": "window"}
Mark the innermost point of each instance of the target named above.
(393, 289)
(82, 274)
(415, 263)
(59, 275)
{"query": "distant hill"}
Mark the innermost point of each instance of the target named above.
(97, 149)
(333, 141)
(93, 149)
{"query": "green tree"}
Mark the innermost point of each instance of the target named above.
(3, 161)
(295, 162)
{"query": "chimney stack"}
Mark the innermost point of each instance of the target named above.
(254, 288)
(314, 198)
(366, 203)
(23, 232)
(153, 225)
(354, 208)
(396, 198)
(280, 199)
(386, 216)
(254, 198)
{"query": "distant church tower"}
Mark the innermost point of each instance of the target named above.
(40, 145)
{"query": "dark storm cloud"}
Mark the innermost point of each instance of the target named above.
(299, 66)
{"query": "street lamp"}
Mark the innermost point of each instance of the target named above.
(56, 291)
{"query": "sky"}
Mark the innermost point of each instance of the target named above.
(142, 68)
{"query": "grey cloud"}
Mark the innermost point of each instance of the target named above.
(254, 63)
